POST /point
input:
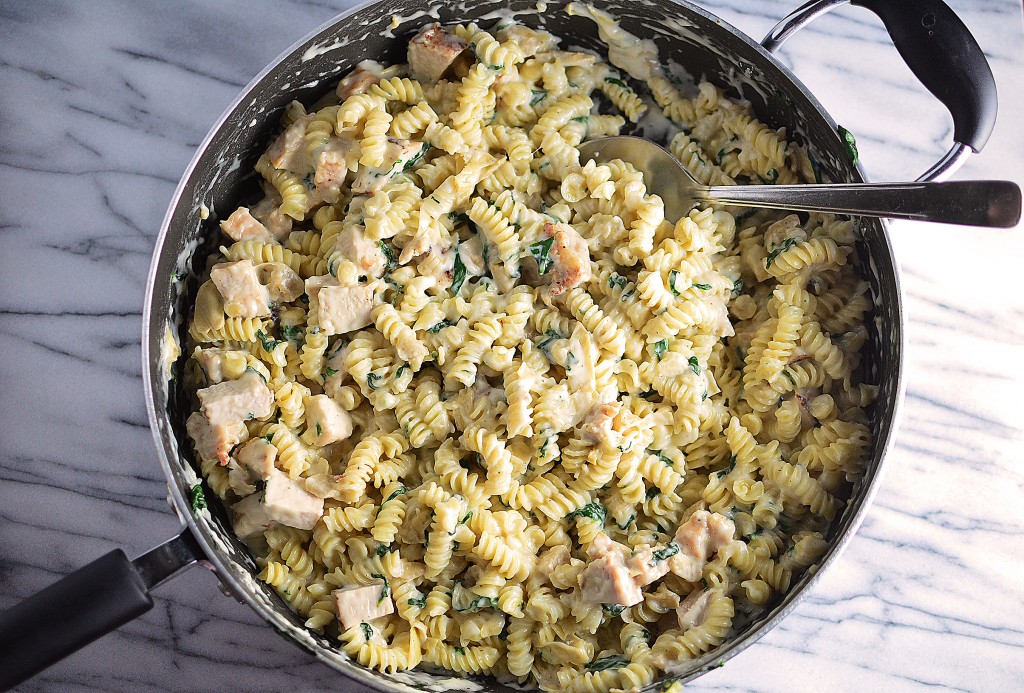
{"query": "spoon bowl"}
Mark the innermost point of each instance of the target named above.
(994, 203)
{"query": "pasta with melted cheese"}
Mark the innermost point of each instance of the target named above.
(475, 402)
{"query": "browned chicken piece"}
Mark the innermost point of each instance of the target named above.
(606, 580)
(288, 152)
(598, 426)
(362, 250)
(214, 442)
(570, 258)
(359, 81)
(241, 290)
(432, 52)
(332, 168)
(268, 211)
(702, 535)
(243, 226)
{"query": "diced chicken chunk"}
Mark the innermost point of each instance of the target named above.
(240, 479)
(694, 609)
(244, 296)
(358, 603)
(553, 558)
(343, 309)
(432, 52)
(570, 258)
(397, 155)
(258, 457)
(359, 81)
(607, 581)
(598, 426)
(332, 166)
(234, 401)
(646, 566)
(288, 503)
(365, 252)
(268, 211)
(243, 226)
(220, 364)
(214, 442)
(703, 534)
(326, 421)
(288, 152)
(249, 517)
(282, 282)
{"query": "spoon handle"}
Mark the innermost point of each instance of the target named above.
(973, 203)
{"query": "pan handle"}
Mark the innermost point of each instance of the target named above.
(85, 605)
(942, 54)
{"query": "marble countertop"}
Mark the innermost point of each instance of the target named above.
(103, 105)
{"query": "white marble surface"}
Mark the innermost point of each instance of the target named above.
(102, 105)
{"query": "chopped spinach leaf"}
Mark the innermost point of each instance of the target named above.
(289, 331)
(616, 280)
(197, 499)
(671, 549)
(702, 287)
(617, 82)
(672, 276)
(401, 369)
(613, 609)
(421, 602)
(383, 549)
(773, 176)
(661, 456)
(850, 142)
(330, 371)
(541, 251)
(268, 343)
(537, 95)
(416, 157)
(660, 348)
(737, 288)
(732, 465)
(652, 492)
(367, 630)
(438, 327)
(594, 511)
(783, 247)
(694, 365)
(373, 380)
(319, 430)
(605, 663)
(396, 493)
(459, 275)
(385, 591)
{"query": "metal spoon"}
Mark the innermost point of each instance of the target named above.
(973, 203)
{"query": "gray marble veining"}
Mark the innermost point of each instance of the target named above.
(102, 105)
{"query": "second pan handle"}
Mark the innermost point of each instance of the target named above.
(941, 52)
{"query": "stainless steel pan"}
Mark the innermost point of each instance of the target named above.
(114, 589)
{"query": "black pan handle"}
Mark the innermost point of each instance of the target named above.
(945, 57)
(85, 605)
(942, 54)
